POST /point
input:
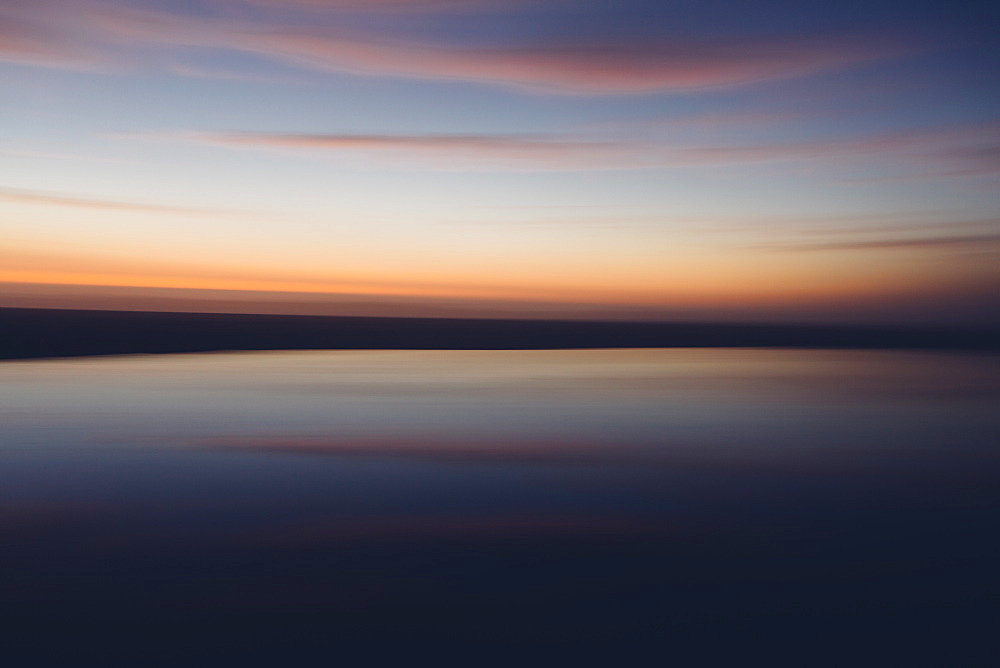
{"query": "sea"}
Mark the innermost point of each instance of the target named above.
(290, 507)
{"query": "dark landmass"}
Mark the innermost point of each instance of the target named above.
(31, 333)
(28, 333)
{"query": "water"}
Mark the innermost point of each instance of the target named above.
(246, 501)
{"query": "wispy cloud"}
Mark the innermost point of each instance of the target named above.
(201, 72)
(956, 241)
(612, 65)
(959, 144)
(967, 149)
(34, 153)
(958, 141)
(604, 67)
(53, 199)
(396, 5)
(975, 160)
(33, 37)
(555, 152)
(704, 121)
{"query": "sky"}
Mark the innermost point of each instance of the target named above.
(725, 160)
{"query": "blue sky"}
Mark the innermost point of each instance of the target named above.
(588, 158)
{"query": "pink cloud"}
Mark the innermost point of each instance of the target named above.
(551, 152)
(614, 66)
(965, 145)
(396, 5)
(35, 38)
(608, 68)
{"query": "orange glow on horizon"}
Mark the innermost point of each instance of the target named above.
(708, 293)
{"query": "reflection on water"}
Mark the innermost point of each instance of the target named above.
(588, 494)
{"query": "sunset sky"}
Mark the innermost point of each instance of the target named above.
(640, 159)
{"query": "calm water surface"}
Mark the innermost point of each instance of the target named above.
(565, 497)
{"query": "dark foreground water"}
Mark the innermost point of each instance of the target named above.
(663, 505)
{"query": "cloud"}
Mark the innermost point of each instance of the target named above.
(975, 160)
(560, 152)
(32, 197)
(557, 152)
(718, 155)
(965, 146)
(602, 67)
(33, 38)
(62, 31)
(201, 72)
(396, 5)
(958, 144)
(614, 65)
(958, 141)
(972, 240)
(32, 153)
(705, 121)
